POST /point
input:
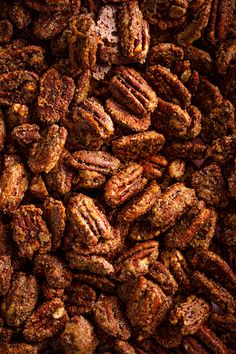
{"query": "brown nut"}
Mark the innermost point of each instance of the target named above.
(210, 340)
(161, 275)
(80, 298)
(26, 134)
(20, 14)
(6, 271)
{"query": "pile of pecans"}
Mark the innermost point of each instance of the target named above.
(117, 176)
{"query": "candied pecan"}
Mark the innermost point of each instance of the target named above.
(193, 229)
(47, 5)
(6, 271)
(88, 179)
(82, 87)
(21, 348)
(200, 59)
(46, 321)
(186, 150)
(53, 269)
(136, 261)
(192, 346)
(109, 316)
(80, 298)
(133, 31)
(21, 299)
(2, 130)
(190, 314)
(148, 346)
(168, 336)
(141, 204)
(17, 114)
(5, 239)
(59, 179)
(13, 185)
(160, 274)
(124, 184)
(197, 20)
(30, 231)
(167, 15)
(6, 31)
(45, 153)
(228, 240)
(83, 42)
(171, 205)
(167, 86)
(56, 92)
(223, 322)
(226, 54)
(176, 169)
(93, 263)
(135, 146)
(38, 188)
(210, 186)
(92, 124)
(18, 87)
(78, 336)
(215, 291)
(211, 341)
(20, 14)
(222, 150)
(98, 281)
(50, 293)
(122, 347)
(130, 88)
(165, 54)
(55, 214)
(59, 45)
(147, 306)
(26, 134)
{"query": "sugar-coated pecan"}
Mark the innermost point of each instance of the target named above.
(161, 275)
(210, 340)
(168, 336)
(176, 169)
(200, 59)
(130, 88)
(165, 54)
(228, 240)
(124, 184)
(26, 134)
(88, 179)
(141, 204)
(80, 298)
(50, 293)
(223, 322)
(20, 300)
(30, 231)
(103, 283)
(146, 307)
(46, 321)
(6, 31)
(210, 186)
(20, 14)
(55, 214)
(149, 346)
(45, 153)
(197, 20)
(6, 271)
(215, 291)
(22, 348)
(191, 345)
(226, 54)
(167, 85)
(18, 87)
(122, 347)
(17, 114)
(56, 92)
(207, 95)
(92, 263)
(13, 185)
(82, 86)
(29, 57)
(171, 205)
(190, 314)
(38, 188)
(59, 179)
(53, 269)
(47, 5)
(136, 261)
(135, 146)
(78, 336)
(186, 150)
(2, 130)
(133, 31)
(92, 124)
(110, 317)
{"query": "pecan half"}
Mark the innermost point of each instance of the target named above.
(80, 298)
(26, 134)
(6, 271)
(20, 14)
(161, 275)
(210, 340)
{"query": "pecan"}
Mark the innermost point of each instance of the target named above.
(6, 271)
(109, 316)
(160, 274)
(53, 269)
(38, 188)
(20, 14)
(46, 321)
(124, 184)
(141, 204)
(92, 263)
(133, 31)
(47, 5)
(59, 44)
(228, 240)
(167, 86)
(135, 146)
(223, 322)
(186, 150)
(45, 153)
(122, 347)
(6, 31)
(154, 166)
(98, 281)
(30, 231)
(2, 130)
(50, 293)
(165, 54)
(192, 346)
(20, 300)
(207, 95)
(56, 92)
(17, 114)
(222, 150)
(215, 291)
(168, 336)
(176, 169)
(200, 59)
(80, 298)
(78, 336)
(91, 124)
(146, 307)
(13, 185)
(55, 215)
(197, 20)
(26, 134)
(225, 55)
(88, 179)
(190, 314)
(211, 340)
(171, 205)
(82, 87)
(210, 186)
(18, 87)
(136, 261)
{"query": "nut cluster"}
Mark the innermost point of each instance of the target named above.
(117, 176)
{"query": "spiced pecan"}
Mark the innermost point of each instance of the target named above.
(56, 92)
(210, 340)
(228, 241)
(30, 231)
(168, 336)
(122, 347)
(165, 54)
(20, 14)
(20, 300)
(26, 134)
(98, 281)
(45, 153)
(80, 298)
(207, 95)
(6, 271)
(38, 188)
(2, 130)
(47, 320)
(6, 31)
(160, 274)
(17, 114)
(225, 55)
(186, 150)
(192, 346)
(47, 5)
(93, 263)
